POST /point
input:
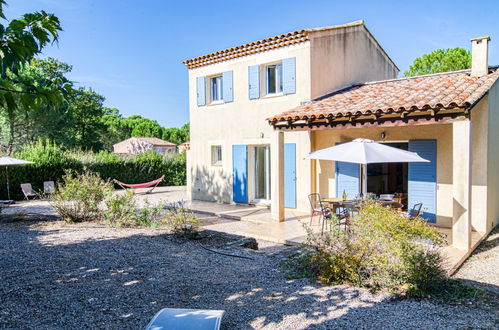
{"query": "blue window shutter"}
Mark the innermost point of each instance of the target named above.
(290, 175)
(254, 82)
(423, 178)
(240, 173)
(289, 75)
(347, 179)
(227, 86)
(201, 90)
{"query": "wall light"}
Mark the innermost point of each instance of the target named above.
(383, 135)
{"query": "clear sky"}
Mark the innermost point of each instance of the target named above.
(131, 51)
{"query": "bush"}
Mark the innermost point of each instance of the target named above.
(181, 221)
(80, 195)
(383, 250)
(51, 163)
(122, 211)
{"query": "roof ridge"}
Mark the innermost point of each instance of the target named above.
(429, 75)
(281, 40)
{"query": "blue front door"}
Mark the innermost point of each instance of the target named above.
(290, 175)
(240, 173)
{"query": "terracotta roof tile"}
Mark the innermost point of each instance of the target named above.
(455, 89)
(262, 45)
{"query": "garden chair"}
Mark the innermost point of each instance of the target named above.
(414, 212)
(48, 187)
(192, 319)
(319, 209)
(28, 191)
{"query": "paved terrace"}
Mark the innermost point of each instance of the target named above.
(244, 220)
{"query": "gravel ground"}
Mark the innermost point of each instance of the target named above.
(482, 268)
(57, 276)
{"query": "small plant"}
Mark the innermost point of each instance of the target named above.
(79, 196)
(122, 211)
(181, 221)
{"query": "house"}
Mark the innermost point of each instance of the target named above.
(184, 146)
(319, 87)
(135, 145)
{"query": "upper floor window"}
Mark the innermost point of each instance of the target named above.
(216, 87)
(273, 78)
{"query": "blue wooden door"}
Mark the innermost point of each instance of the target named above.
(347, 179)
(290, 175)
(423, 178)
(240, 173)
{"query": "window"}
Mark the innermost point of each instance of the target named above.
(159, 150)
(216, 89)
(216, 155)
(274, 78)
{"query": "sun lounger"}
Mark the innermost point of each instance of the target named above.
(192, 319)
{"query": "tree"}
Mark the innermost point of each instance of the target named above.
(87, 110)
(20, 40)
(440, 60)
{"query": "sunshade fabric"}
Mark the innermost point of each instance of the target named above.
(365, 151)
(7, 161)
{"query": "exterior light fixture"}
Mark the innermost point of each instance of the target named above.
(383, 135)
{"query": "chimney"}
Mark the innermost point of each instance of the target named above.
(479, 56)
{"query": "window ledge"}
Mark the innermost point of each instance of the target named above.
(217, 164)
(269, 96)
(216, 103)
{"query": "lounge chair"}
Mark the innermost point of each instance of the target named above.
(414, 212)
(28, 191)
(48, 187)
(192, 319)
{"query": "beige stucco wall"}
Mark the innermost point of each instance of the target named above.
(493, 157)
(239, 122)
(479, 165)
(357, 58)
(243, 121)
(325, 178)
(136, 147)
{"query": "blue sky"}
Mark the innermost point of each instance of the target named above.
(132, 51)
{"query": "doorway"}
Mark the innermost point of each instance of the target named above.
(261, 175)
(389, 178)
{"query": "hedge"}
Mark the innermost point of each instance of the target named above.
(52, 162)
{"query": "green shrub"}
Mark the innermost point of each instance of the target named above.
(181, 221)
(79, 196)
(382, 250)
(52, 162)
(121, 210)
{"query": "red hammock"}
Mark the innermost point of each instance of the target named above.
(140, 185)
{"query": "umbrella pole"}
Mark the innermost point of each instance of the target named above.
(7, 177)
(363, 169)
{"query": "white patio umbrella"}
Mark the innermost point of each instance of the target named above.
(9, 161)
(363, 152)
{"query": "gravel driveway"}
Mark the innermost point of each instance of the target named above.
(57, 276)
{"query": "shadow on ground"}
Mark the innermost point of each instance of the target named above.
(85, 276)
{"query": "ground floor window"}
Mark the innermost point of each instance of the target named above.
(216, 155)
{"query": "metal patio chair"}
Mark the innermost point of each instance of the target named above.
(414, 212)
(319, 209)
(29, 192)
(48, 187)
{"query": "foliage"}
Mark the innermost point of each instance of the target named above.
(79, 196)
(22, 90)
(122, 210)
(51, 162)
(440, 60)
(87, 109)
(383, 250)
(181, 221)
